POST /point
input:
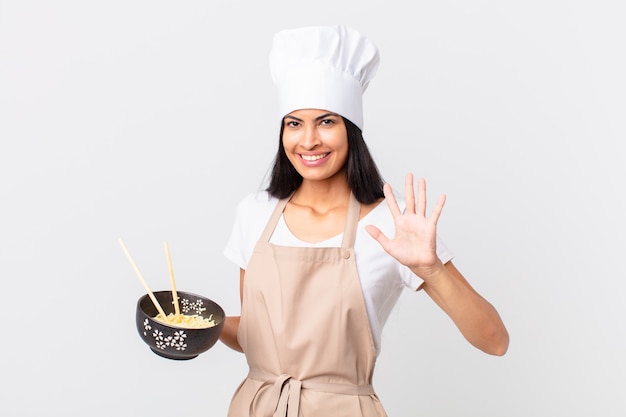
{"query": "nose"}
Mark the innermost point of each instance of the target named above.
(310, 138)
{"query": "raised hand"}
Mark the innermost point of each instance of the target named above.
(414, 243)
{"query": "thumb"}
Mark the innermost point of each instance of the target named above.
(377, 234)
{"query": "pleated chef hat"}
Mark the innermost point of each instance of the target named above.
(323, 67)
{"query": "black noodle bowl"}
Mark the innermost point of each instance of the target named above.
(174, 342)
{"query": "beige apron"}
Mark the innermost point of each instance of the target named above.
(305, 331)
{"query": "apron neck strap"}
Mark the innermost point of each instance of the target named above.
(352, 221)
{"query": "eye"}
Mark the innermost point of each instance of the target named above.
(291, 123)
(327, 122)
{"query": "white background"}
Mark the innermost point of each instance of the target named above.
(149, 120)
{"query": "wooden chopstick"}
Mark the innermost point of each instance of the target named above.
(172, 280)
(143, 281)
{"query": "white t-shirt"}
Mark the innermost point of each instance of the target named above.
(382, 277)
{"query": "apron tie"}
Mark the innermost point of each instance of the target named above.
(283, 397)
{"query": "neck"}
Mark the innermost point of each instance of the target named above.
(322, 195)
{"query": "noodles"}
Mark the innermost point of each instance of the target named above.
(187, 321)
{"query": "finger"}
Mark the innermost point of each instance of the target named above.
(436, 213)
(391, 201)
(378, 235)
(409, 193)
(421, 197)
(373, 231)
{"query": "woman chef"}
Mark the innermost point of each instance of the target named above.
(323, 259)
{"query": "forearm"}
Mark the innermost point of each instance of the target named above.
(229, 333)
(475, 317)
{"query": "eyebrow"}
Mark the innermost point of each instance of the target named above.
(320, 117)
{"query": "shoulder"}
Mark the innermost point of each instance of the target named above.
(251, 215)
(253, 212)
(256, 204)
(257, 198)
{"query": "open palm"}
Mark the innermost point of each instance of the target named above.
(414, 243)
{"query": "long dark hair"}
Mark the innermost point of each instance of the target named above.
(364, 179)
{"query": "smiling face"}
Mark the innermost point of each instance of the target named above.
(316, 143)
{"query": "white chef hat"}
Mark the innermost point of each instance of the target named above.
(323, 67)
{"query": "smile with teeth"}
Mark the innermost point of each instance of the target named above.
(314, 157)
